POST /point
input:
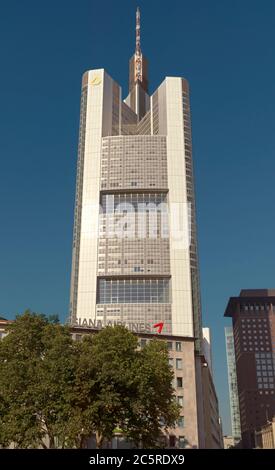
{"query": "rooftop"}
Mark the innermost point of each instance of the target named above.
(252, 295)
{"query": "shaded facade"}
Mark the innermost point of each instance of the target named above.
(253, 318)
(208, 404)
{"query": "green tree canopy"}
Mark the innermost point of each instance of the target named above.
(56, 392)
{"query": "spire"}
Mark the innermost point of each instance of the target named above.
(138, 50)
(138, 77)
(138, 54)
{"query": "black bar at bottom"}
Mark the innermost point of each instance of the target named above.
(114, 458)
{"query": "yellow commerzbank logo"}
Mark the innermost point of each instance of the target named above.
(96, 81)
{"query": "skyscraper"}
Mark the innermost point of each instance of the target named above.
(233, 385)
(253, 317)
(134, 246)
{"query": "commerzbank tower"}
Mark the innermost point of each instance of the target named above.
(135, 258)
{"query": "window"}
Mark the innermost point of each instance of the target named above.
(171, 362)
(181, 442)
(179, 363)
(133, 291)
(179, 382)
(169, 345)
(180, 400)
(181, 422)
(143, 343)
(178, 346)
(172, 441)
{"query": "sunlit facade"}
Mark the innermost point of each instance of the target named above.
(135, 246)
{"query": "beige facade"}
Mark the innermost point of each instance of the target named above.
(228, 442)
(186, 431)
(185, 434)
(181, 359)
(265, 438)
(3, 327)
(118, 163)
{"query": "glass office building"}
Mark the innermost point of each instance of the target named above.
(233, 384)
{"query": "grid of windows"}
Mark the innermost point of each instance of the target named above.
(144, 126)
(192, 210)
(232, 380)
(255, 334)
(138, 162)
(78, 203)
(264, 370)
(111, 203)
(254, 307)
(120, 291)
(139, 256)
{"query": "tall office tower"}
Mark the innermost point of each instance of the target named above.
(233, 385)
(134, 247)
(253, 317)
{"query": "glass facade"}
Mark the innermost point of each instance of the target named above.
(232, 382)
(133, 202)
(121, 291)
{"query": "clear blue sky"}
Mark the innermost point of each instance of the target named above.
(226, 51)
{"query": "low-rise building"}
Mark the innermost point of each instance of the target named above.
(181, 359)
(3, 326)
(265, 437)
(198, 425)
(228, 442)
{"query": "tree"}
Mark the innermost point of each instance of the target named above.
(153, 406)
(37, 365)
(56, 392)
(106, 370)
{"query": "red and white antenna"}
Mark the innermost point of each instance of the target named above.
(138, 55)
(138, 51)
